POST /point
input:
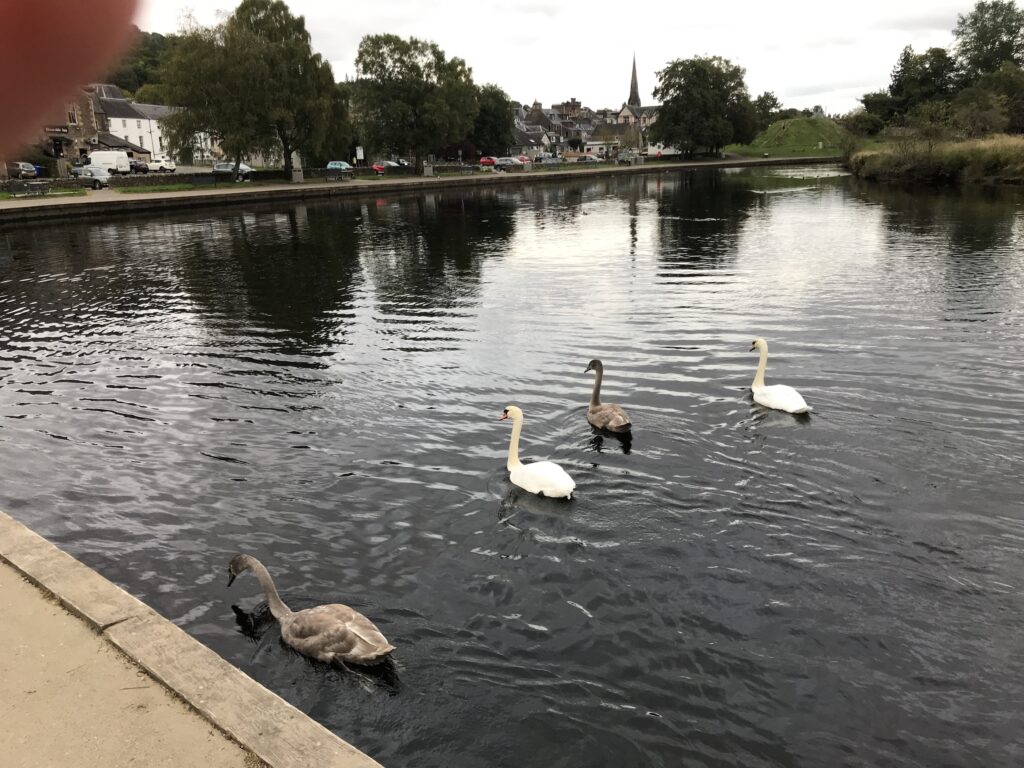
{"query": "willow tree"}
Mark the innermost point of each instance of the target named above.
(212, 90)
(409, 96)
(253, 83)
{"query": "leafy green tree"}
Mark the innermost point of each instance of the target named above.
(766, 107)
(150, 93)
(919, 78)
(1008, 83)
(978, 112)
(705, 105)
(409, 96)
(296, 85)
(217, 91)
(492, 129)
(860, 122)
(929, 122)
(987, 36)
(881, 104)
(141, 65)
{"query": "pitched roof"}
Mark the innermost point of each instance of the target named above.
(110, 141)
(120, 108)
(154, 111)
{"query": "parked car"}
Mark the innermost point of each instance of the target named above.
(19, 170)
(226, 169)
(381, 166)
(137, 166)
(161, 164)
(403, 162)
(588, 159)
(95, 176)
(504, 163)
(548, 161)
(488, 160)
(339, 165)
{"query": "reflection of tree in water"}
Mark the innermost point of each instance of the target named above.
(974, 235)
(290, 271)
(427, 252)
(699, 217)
(970, 220)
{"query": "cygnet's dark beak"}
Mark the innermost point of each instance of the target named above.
(589, 368)
(231, 577)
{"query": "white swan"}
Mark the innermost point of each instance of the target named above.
(605, 415)
(328, 633)
(778, 396)
(543, 477)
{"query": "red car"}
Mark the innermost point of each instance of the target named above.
(381, 166)
(488, 160)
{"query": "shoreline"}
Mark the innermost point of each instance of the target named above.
(237, 711)
(110, 203)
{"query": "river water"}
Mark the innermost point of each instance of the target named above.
(320, 385)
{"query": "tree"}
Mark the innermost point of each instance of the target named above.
(881, 104)
(767, 107)
(409, 96)
(217, 94)
(1008, 83)
(978, 112)
(986, 37)
(141, 65)
(492, 129)
(929, 122)
(705, 105)
(919, 78)
(296, 85)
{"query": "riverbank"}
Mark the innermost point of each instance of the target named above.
(90, 676)
(107, 203)
(995, 160)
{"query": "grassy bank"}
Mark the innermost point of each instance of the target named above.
(799, 137)
(996, 160)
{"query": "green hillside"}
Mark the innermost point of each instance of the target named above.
(799, 136)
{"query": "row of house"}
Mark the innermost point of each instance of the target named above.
(601, 132)
(99, 117)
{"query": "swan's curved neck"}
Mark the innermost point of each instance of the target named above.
(759, 376)
(513, 446)
(595, 396)
(277, 607)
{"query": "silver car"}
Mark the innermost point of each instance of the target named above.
(95, 176)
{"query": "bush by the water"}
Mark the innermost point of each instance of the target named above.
(995, 160)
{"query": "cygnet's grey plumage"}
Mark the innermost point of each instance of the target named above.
(605, 415)
(328, 633)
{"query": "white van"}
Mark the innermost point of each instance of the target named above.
(115, 161)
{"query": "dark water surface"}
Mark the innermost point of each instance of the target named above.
(319, 385)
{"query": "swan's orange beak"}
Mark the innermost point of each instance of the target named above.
(504, 415)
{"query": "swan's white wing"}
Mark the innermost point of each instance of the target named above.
(329, 632)
(782, 398)
(544, 477)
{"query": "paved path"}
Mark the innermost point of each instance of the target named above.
(69, 698)
(108, 202)
(109, 682)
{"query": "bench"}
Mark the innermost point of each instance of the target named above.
(338, 175)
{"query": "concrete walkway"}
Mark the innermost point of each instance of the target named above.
(69, 698)
(108, 202)
(91, 676)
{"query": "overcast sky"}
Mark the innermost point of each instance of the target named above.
(807, 53)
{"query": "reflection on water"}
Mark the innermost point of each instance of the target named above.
(319, 385)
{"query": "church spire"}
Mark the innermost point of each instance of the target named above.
(634, 89)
